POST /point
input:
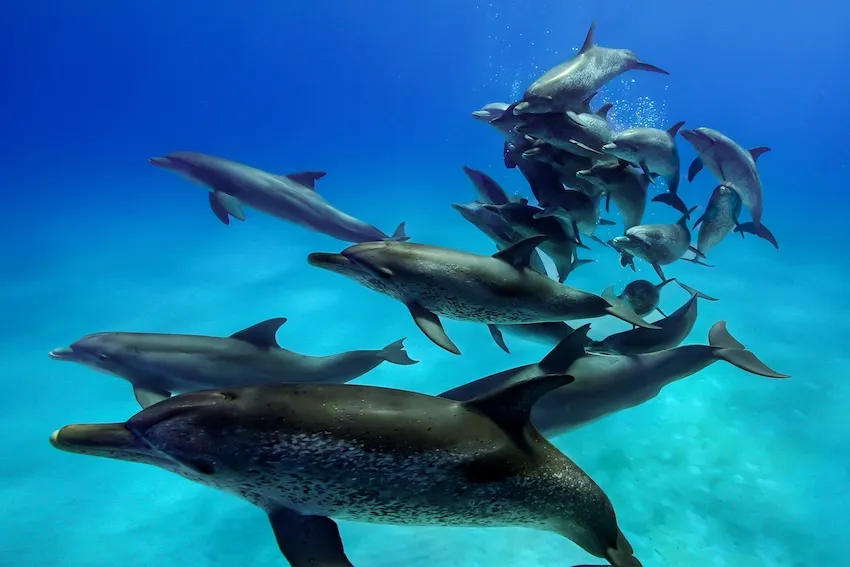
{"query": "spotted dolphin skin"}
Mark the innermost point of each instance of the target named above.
(567, 85)
(311, 454)
(606, 384)
(736, 168)
(498, 289)
(158, 364)
(290, 197)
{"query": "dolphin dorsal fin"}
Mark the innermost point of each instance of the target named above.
(519, 253)
(306, 178)
(261, 335)
(588, 40)
(674, 129)
(756, 152)
(570, 349)
(510, 406)
(603, 110)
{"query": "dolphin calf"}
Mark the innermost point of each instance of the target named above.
(568, 84)
(309, 455)
(658, 244)
(674, 329)
(736, 168)
(625, 186)
(291, 197)
(720, 217)
(641, 296)
(605, 384)
(158, 365)
(493, 290)
(654, 151)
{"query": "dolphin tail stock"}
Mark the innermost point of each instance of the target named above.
(693, 291)
(728, 348)
(759, 230)
(399, 235)
(673, 200)
(395, 353)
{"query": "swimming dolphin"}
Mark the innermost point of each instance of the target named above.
(158, 365)
(658, 244)
(309, 455)
(640, 296)
(291, 197)
(720, 217)
(542, 178)
(654, 151)
(736, 168)
(488, 188)
(494, 290)
(566, 164)
(490, 112)
(502, 119)
(625, 186)
(580, 134)
(605, 384)
(566, 85)
(496, 228)
(675, 328)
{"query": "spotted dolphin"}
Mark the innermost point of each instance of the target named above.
(158, 364)
(641, 296)
(606, 384)
(290, 197)
(309, 455)
(493, 290)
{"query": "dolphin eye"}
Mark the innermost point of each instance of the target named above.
(103, 356)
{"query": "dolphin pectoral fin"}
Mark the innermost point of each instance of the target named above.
(599, 240)
(607, 202)
(585, 147)
(731, 350)
(518, 254)
(660, 311)
(756, 152)
(308, 541)
(641, 66)
(606, 222)
(506, 156)
(624, 313)
(673, 200)
(225, 206)
(306, 178)
(537, 263)
(218, 210)
(696, 260)
(759, 230)
(566, 352)
(699, 221)
(695, 292)
(550, 211)
(659, 271)
(510, 406)
(695, 167)
(696, 252)
(261, 335)
(429, 323)
(498, 337)
(646, 171)
(147, 398)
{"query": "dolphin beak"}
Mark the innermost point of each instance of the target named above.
(609, 147)
(584, 172)
(327, 260)
(521, 107)
(64, 353)
(619, 241)
(159, 161)
(99, 440)
(481, 115)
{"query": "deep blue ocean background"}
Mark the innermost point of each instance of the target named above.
(723, 469)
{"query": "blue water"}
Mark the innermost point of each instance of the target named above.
(723, 469)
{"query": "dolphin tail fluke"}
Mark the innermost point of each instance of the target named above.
(620, 311)
(693, 291)
(673, 200)
(395, 353)
(731, 350)
(759, 230)
(641, 66)
(399, 234)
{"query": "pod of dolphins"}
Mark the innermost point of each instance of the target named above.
(287, 433)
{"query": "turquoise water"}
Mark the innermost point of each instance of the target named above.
(722, 469)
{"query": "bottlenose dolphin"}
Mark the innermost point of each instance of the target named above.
(625, 186)
(641, 296)
(658, 244)
(675, 328)
(291, 197)
(490, 112)
(494, 290)
(158, 365)
(496, 228)
(568, 84)
(309, 454)
(736, 168)
(606, 384)
(720, 217)
(654, 151)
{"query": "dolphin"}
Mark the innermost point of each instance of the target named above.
(290, 197)
(577, 209)
(625, 186)
(566, 164)
(658, 244)
(720, 217)
(654, 151)
(503, 120)
(580, 134)
(542, 178)
(158, 365)
(675, 328)
(490, 112)
(494, 290)
(488, 188)
(566, 85)
(496, 228)
(309, 455)
(605, 384)
(736, 168)
(641, 296)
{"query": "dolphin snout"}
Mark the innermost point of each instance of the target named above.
(63, 353)
(160, 161)
(610, 146)
(327, 259)
(95, 439)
